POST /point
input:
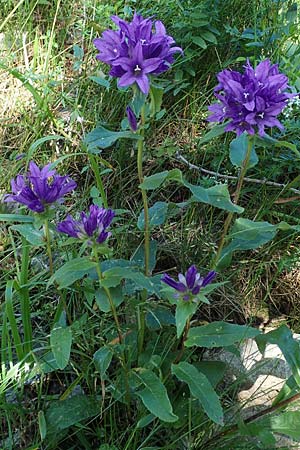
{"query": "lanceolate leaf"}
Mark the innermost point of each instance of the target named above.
(102, 359)
(184, 311)
(219, 334)
(154, 395)
(101, 138)
(200, 388)
(61, 341)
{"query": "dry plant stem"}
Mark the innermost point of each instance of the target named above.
(256, 416)
(48, 243)
(108, 294)
(231, 177)
(236, 199)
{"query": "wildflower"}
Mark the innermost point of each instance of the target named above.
(131, 118)
(92, 227)
(39, 188)
(251, 100)
(189, 285)
(135, 51)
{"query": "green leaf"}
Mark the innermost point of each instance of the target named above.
(213, 370)
(200, 388)
(42, 425)
(63, 414)
(145, 421)
(16, 218)
(289, 389)
(158, 318)
(154, 395)
(247, 234)
(199, 41)
(156, 180)
(216, 131)
(101, 81)
(287, 423)
(217, 196)
(102, 359)
(156, 95)
(290, 347)
(157, 215)
(72, 271)
(61, 341)
(33, 236)
(238, 150)
(35, 145)
(219, 334)
(101, 138)
(209, 36)
(102, 300)
(184, 311)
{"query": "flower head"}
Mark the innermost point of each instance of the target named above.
(39, 188)
(251, 100)
(136, 50)
(92, 227)
(189, 285)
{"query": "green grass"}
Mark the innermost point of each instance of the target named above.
(50, 93)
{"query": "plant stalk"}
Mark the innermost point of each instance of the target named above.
(108, 294)
(236, 199)
(48, 244)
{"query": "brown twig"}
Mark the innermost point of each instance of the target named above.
(255, 416)
(231, 177)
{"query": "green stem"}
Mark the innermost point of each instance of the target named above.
(144, 193)
(99, 182)
(140, 312)
(9, 313)
(236, 199)
(108, 294)
(48, 244)
(24, 297)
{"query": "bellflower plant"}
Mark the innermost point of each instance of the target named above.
(40, 188)
(91, 227)
(136, 50)
(189, 285)
(251, 100)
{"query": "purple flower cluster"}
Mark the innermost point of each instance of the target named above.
(189, 284)
(251, 100)
(39, 188)
(90, 227)
(134, 51)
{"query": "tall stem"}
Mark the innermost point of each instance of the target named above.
(236, 199)
(144, 193)
(99, 182)
(108, 294)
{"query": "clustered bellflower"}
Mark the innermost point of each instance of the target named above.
(251, 100)
(189, 285)
(91, 227)
(39, 188)
(136, 50)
